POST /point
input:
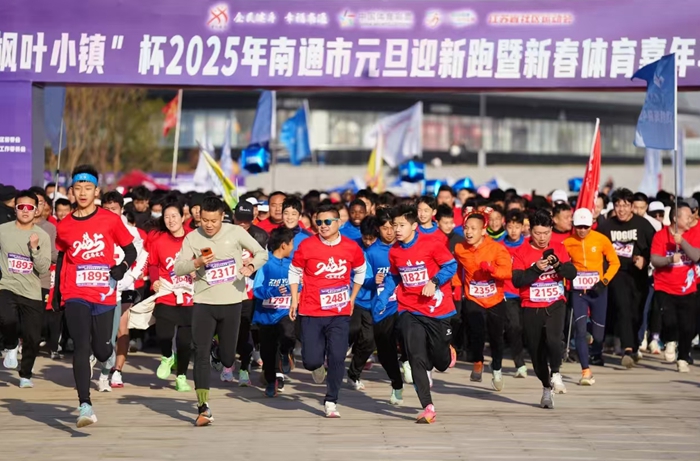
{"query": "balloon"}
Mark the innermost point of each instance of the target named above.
(575, 184)
(465, 183)
(432, 186)
(412, 171)
(255, 159)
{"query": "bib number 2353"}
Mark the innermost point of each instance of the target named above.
(221, 271)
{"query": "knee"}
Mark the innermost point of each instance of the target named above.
(581, 327)
(103, 353)
(312, 365)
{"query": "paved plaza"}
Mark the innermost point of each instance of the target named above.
(649, 412)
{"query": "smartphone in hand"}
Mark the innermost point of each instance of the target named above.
(206, 251)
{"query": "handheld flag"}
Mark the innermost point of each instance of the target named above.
(656, 127)
(591, 180)
(263, 129)
(295, 136)
(403, 135)
(222, 183)
(375, 177)
(651, 182)
(170, 110)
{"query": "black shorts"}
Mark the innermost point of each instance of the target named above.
(179, 315)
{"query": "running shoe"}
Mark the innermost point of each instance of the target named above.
(681, 365)
(181, 384)
(357, 385)
(271, 390)
(670, 352)
(227, 375)
(453, 357)
(319, 374)
(627, 360)
(497, 380)
(103, 384)
(10, 361)
(204, 417)
(25, 383)
(243, 378)
(547, 400)
(637, 357)
(287, 364)
(521, 372)
(558, 384)
(407, 372)
(477, 371)
(165, 367)
(396, 397)
(331, 410)
(280, 383)
(56, 356)
(135, 345)
(654, 347)
(93, 362)
(87, 416)
(587, 378)
(427, 416)
(645, 344)
(257, 360)
(116, 381)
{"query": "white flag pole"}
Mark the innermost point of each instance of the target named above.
(58, 166)
(176, 147)
(675, 142)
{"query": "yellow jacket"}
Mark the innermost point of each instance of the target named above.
(589, 254)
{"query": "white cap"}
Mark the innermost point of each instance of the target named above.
(656, 206)
(559, 196)
(583, 217)
(264, 207)
(253, 201)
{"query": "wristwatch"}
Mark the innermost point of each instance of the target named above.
(435, 281)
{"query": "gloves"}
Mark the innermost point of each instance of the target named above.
(598, 288)
(553, 260)
(485, 266)
(118, 272)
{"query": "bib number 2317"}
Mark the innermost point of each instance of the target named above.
(221, 271)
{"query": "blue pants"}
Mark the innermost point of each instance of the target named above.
(326, 337)
(598, 306)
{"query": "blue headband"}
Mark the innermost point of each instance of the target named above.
(85, 177)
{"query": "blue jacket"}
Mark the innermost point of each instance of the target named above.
(266, 287)
(377, 256)
(301, 235)
(351, 232)
(368, 288)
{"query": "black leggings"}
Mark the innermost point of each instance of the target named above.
(486, 320)
(275, 340)
(208, 319)
(543, 327)
(168, 319)
(386, 337)
(243, 347)
(362, 340)
(89, 332)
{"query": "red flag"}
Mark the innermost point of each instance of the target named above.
(591, 181)
(170, 111)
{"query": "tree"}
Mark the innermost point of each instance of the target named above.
(115, 129)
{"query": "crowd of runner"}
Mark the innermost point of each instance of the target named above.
(417, 282)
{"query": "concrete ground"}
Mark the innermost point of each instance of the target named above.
(649, 412)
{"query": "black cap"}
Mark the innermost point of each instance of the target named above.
(7, 193)
(244, 212)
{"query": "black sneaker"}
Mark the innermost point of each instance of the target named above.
(204, 417)
(597, 360)
(280, 384)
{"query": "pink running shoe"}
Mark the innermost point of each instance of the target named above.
(427, 416)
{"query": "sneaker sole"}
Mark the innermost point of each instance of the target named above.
(396, 402)
(116, 386)
(186, 389)
(425, 420)
(547, 406)
(333, 416)
(588, 382)
(627, 362)
(495, 388)
(244, 384)
(558, 391)
(202, 422)
(475, 379)
(86, 421)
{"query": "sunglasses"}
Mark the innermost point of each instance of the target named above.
(327, 222)
(25, 207)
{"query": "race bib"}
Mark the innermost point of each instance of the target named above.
(685, 260)
(380, 288)
(221, 271)
(92, 275)
(414, 276)
(545, 292)
(624, 250)
(482, 289)
(334, 298)
(53, 279)
(278, 302)
(586, 280)
(19, 264)
(181, 281)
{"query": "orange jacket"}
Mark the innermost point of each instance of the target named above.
(589, 254)
(484, 287)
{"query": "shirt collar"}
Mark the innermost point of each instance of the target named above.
(331, 243)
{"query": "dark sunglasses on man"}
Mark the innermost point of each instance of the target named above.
(327, 222)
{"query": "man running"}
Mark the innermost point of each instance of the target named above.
(589, 251)
(514, 239)
(86, 280)
(326, 262)
(420, 271)
(539, 268)
(25, 255)
(214, 253)
(427, 209)
(483, 267)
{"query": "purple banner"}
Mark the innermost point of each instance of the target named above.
(16, 134)
(358, 43)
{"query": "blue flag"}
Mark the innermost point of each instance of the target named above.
(54, 103)
(295, 137)
(226, 161)
(264, 122)
(656, 128)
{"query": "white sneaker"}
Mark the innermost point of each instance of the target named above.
(654, 347)
(643, 346)
(331, 410)
(116, 381)
(407, 373)
(357, 385)
(227, 375)
(558, 384)
(430, 378)
(670, 352)
(695, 341)
(497, 380)
(547, 400)
(10, 361)
(521, 372)
(103, 384)
(682, 366)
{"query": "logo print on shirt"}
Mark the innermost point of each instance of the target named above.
(170, 262)
(436, 300)
(91, 247)
(334, 271)
(689, 280)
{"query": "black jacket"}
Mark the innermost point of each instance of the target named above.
(7, 214)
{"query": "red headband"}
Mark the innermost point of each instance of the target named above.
(470, 211)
